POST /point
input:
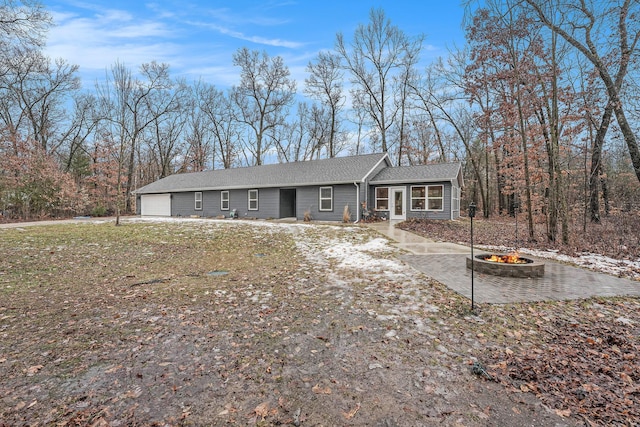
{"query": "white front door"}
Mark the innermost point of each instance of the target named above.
(397, 208)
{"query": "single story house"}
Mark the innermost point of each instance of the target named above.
(322, 188)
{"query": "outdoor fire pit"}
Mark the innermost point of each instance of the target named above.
(508, 265)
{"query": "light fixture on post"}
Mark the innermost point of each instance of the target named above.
(472, 213)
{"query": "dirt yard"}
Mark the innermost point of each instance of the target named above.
(200, 322)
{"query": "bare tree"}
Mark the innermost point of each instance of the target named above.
(607, 34)
(262, 98)
(84, 121)
(425, 90)
(23, 23)
(198, 135)
(23, 27)
(325, 85)
(126, 116)
(379, 51)
(168, 112)
(292, 140)
(219, 114)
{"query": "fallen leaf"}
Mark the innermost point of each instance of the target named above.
(113, 369)
(564, 412)
(352, 413)
(626, 378)
(317, 389)
(34, 370)
(100, 422)
(262, 410)
(589, 387)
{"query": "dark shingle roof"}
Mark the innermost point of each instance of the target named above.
(421, 173)
(337, 170)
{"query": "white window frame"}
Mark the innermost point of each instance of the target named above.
(382, 198)
(224, 199)
(455, 203)
(424, 199)
(441, 198)
(321, 199)
(427, 199)
(251, 200)
(198, 200)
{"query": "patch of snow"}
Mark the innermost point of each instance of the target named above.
(625, 321)
(362, 256)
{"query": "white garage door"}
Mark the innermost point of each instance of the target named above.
(155, 205)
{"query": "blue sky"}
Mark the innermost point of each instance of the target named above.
(198, 37)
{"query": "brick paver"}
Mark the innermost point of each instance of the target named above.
(560, 282)
(446, 263)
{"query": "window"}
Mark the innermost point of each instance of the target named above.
(456, 199)
(198, 200)
(427, 198)
(326, 198)
(382, 198)
(418, 198)
(224, 200)
(435, 198)
(253, 200)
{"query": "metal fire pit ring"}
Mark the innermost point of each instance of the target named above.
(529, 269)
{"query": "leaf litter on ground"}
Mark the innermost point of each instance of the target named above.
(129, 328)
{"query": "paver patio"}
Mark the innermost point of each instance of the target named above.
(446, 263)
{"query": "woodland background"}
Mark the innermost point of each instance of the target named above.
(541, 106)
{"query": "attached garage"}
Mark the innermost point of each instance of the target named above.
(155, 205)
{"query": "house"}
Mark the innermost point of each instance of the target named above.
(320, 187)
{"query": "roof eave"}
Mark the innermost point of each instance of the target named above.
(385, 157)
(411, 181)
(247, 187)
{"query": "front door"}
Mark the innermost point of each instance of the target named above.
(397, 208)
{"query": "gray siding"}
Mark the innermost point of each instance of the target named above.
(444, 214)
(308, 199)
(183, 204)
(366, 189)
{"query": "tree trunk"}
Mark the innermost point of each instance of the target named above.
(629, 136)
(595, 170)
(527, 175)
(605, 193)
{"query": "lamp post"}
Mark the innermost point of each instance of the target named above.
(516, 207)
(472, 213)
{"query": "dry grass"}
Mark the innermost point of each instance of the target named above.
(346, 214)
(140, 325)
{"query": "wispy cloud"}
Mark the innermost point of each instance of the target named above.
(93, 41)
(253, 39)
(198, 40)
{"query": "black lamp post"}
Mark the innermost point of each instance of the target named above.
(472, 213)
(516, 207)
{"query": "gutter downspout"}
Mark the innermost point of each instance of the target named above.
(357, 202)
